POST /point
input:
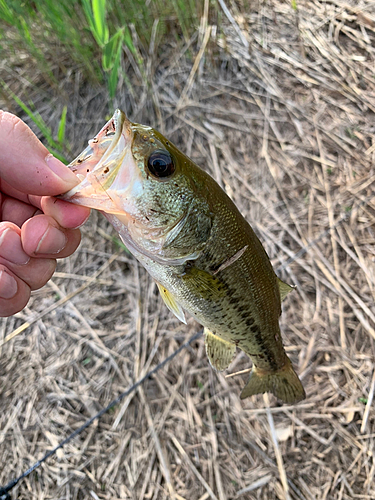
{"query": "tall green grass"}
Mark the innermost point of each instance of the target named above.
(47, 31)
(55, 145)
(89, 34)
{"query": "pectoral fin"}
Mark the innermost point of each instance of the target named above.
(171, 303)
(220, 352)
(284, 288)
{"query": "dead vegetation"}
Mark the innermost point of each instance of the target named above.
(283, 117)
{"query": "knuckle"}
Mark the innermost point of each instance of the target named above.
(9, 123)
(13, 128)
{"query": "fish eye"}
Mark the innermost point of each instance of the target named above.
(160, 163)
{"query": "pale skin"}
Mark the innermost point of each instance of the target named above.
(35, 228)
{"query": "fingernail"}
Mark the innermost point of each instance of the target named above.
(52, 241)
(11, 247)
(8, 285)
(61, 170)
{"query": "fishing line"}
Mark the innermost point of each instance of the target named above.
(4, 491)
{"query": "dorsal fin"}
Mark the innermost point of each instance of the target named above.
(284, 288)
(219, 352)
(171, 303)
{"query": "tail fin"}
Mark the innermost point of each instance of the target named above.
(284, 384)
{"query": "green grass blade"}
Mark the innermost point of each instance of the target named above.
(26, 31)
(6, 13)
(113, 77)
(110, 50)
(88, 13)
(129, 41)
(54, 147)
(37, 119)
(120, 244)
(99, 13)
(62, 126)
(90, 20)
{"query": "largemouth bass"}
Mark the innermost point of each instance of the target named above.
(191, 238)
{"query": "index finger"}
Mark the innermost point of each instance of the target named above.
(26, 164)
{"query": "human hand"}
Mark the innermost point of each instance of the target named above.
(35, 229)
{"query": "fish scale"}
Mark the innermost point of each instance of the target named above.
(191, 238)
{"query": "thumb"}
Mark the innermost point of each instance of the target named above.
(26, 164)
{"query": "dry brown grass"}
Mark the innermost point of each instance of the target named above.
(287, 127)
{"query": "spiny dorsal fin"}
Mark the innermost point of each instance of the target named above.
(171, 303)
(284, 288)
(220, 352)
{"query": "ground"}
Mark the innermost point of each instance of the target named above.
(280, 110)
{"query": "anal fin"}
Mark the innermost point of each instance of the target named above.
(220, 352)
(171, 303)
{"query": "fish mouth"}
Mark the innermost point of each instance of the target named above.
(111, 181)
(106, 168)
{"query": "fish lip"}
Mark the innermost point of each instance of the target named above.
(98, 163)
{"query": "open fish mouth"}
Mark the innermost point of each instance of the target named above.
(105, 168)
(113, 180)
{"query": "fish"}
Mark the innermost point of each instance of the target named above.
(191, 238)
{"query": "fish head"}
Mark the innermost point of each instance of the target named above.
(134, 173)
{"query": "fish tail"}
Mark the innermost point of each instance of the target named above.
(283, 383)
